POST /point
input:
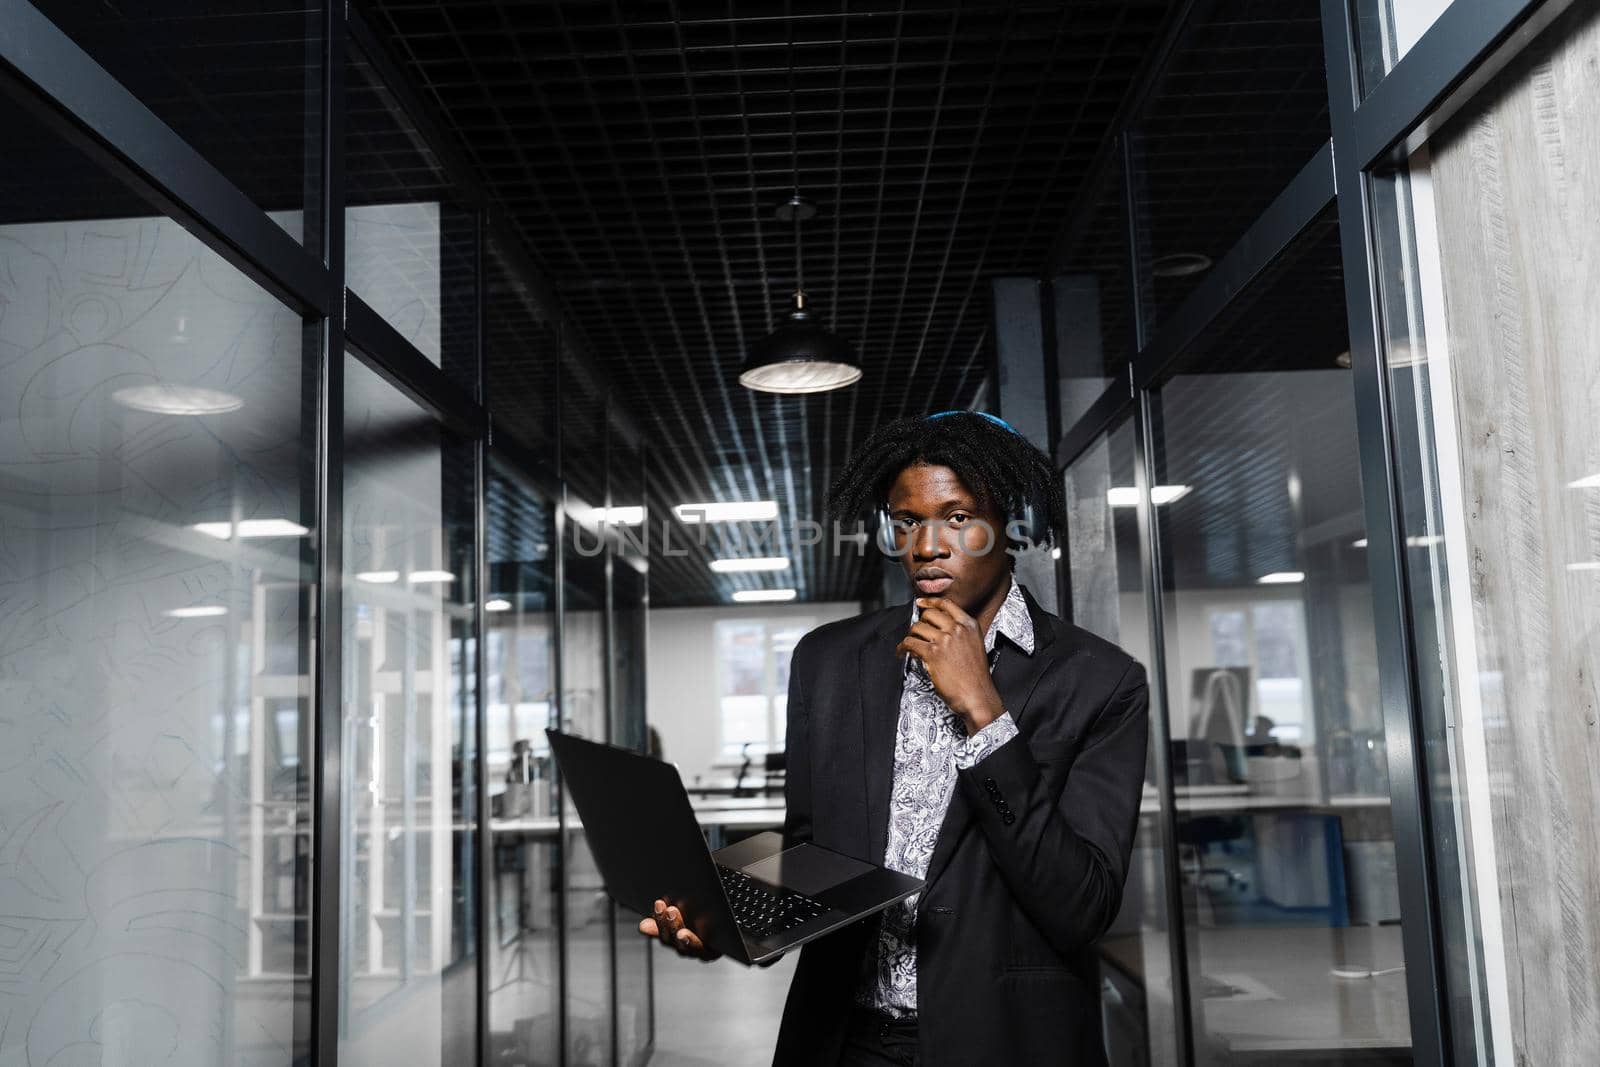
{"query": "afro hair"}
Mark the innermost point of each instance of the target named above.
(1001, 467)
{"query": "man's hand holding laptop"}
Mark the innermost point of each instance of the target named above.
(669, 928)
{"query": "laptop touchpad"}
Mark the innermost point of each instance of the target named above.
(807, 869)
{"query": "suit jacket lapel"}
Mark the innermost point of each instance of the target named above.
(1015, 675)
(882, 678)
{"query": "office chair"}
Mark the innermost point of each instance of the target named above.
(777, 772)
(1200, 832)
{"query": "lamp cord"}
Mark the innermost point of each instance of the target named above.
(799, 257)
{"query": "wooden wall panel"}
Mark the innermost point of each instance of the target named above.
(1517, 182)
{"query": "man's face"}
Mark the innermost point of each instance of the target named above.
(949, 543)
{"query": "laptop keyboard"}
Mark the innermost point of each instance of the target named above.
(762, 910)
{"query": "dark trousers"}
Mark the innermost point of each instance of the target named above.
(874, 1039)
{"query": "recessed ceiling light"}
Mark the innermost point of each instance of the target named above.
(1055, 553)
(760, 563)
(1591, 482)
(761, 596)
(729, 511)
(378, 577)
(1181, 265)
(200, 611)
(497, 604)
(423, 577)
(1282, 578)
(177, 400)
(1127, 496)
(224, 531)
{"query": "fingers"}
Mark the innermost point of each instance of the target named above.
(668, 927)
(913, 645)
(945, 614)
(925, 629)
(665, 923)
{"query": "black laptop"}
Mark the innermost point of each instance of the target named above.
(751, 900)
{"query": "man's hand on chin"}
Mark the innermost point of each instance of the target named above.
(950, 645)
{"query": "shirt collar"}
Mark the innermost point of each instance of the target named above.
(1012, 620)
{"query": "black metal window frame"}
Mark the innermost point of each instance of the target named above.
(1471, 42)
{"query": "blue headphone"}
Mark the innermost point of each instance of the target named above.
(1029, 526)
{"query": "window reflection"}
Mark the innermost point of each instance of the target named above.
(1285, 847)
(524, 941)
(239, 80)
(156, 528)
(589, 930)
(409, 246)
(1387, 30)
(1109, 598)
(1240, 108)
(408, 984)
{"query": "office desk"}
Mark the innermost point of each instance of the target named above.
(749, 813)
(755, 787)
(1214, 799)
(1267, 994)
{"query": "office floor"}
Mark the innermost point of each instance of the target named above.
(716, 1014)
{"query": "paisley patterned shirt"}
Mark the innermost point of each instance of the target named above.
(930, 746)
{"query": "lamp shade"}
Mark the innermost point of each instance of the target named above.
(800, 357)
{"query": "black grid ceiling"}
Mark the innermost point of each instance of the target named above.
(642, 149)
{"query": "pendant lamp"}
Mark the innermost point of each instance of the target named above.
(799, 356)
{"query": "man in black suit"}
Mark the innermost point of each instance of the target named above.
(974, 740)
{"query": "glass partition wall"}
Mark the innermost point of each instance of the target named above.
(1349, 444)
(1109, 595)
(280, 632)
(1278, 747)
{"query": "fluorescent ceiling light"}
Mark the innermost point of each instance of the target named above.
(201, 611)
(224, 531)
(1282, 578)
(177, 400)
(498, 604)
(762, 596)
(1127, 496)
(732, 511)
(614, 516)
(1591, 482)
(1166, 494)
(378, 577)
(421, 577)
(759, 563)
(1418, 541)
(1586, 565)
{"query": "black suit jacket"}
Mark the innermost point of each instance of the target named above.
(1011, 906)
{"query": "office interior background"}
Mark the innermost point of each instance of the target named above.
(358, 361)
